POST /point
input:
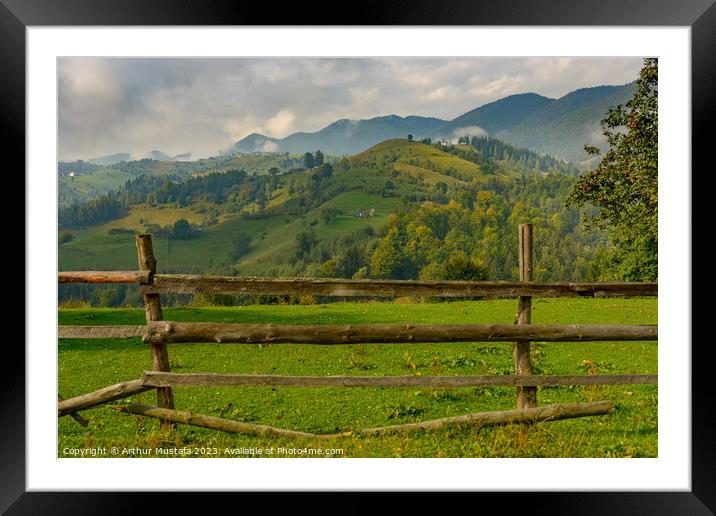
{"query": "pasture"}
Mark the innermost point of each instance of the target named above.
(95, 249)
(630, 431)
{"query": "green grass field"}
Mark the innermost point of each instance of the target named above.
(139, 216)
(419, 159)
(273, 237)
(630, 431)
(94, 249)
(88, 186)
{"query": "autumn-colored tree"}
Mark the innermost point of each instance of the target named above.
(388, 260)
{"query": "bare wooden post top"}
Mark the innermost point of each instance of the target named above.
(147, 261)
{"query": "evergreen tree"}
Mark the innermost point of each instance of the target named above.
(308, 160)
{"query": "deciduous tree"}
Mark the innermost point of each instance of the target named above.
(624, 184)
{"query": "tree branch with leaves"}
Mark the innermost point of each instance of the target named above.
(624, 186)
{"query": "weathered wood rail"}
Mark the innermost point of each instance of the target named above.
(157, 379)
(158, 333)
(192, 284)
(501, 417)
(101, 332)
(102, 396)
(141, 277)
(176, 332)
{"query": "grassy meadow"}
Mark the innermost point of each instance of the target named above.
(630, 431)
(95, 249)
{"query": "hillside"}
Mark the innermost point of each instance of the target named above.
(495, 116)
(562, 128)
(400, 209)
(96, 180)
(419, 160)
(271, 236)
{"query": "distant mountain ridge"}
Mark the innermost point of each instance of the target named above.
(564, 126)
(497, 116)
(558, 127)
(342, 136)
(111, 159)
(156, 155)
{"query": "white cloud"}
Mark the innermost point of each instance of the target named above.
(497, 87)
(90, 79)
(266, 146)
(364, 95)
(281, 124)
(443, 93)
(202, 105)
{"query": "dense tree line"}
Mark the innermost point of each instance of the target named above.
(79, 167)
(492, 149)
(96, 211)
(149, 190)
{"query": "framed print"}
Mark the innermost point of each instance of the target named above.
(276, 183)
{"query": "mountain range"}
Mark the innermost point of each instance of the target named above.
(559, 127)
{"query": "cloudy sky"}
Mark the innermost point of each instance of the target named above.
(203, 105)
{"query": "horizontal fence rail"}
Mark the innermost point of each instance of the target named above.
(192, 284)
(176, 332)
(141, 277)
(101, 396)
(101, 332)
(502, 417)
(160, 379)
(173, 332)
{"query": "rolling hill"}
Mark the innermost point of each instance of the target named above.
(421, 161)
(373, 180)
(96, 180)
(400, 209)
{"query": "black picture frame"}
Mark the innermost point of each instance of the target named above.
(700, 15)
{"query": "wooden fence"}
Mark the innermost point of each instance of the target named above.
(157, 333)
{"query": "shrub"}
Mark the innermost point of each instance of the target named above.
(65, 236)
(457, 267)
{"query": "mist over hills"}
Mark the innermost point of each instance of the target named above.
(110, 159)
(118, 157)
(559, 127)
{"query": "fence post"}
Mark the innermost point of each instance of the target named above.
(153, 308)
(526, 396)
